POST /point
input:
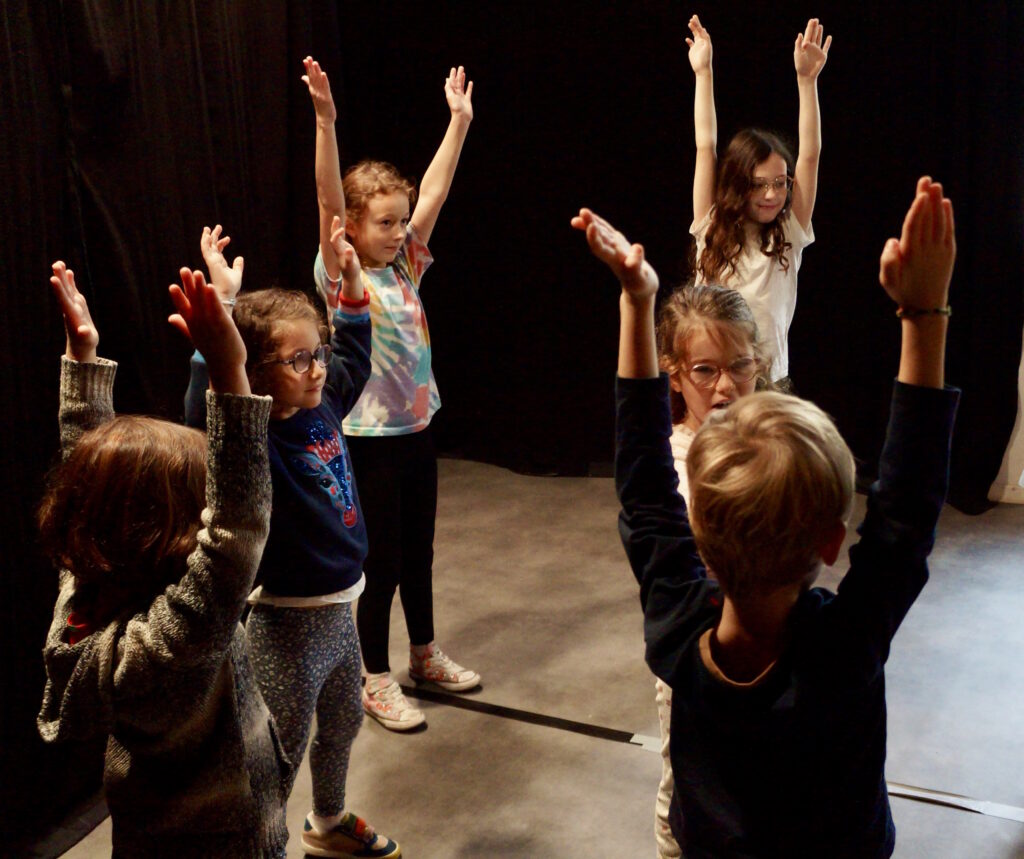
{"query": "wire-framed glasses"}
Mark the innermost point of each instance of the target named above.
(302, 360)
(706, 375)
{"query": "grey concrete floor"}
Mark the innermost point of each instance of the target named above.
(532, 590)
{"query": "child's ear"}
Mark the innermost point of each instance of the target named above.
(829, 550)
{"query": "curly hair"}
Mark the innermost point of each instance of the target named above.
(258, 316)
(122, 511)
(770, 478)
(705, 306)
(369, 178)
(726, 234)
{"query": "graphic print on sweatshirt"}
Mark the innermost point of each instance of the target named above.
(326, 460)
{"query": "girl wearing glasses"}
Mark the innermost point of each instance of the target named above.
(752, 211)
(708, 344)
(305, 650)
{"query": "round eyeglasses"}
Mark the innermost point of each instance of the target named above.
(302, 360)
(778, 184)
(707, 375)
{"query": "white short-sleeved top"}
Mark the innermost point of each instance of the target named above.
(768, 290)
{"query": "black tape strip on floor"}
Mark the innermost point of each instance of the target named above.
(918, 794)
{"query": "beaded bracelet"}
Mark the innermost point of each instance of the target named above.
(911, 312)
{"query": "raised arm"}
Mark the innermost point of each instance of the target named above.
(915, 271)
(225, 279)
(327, 166)
(809, 56)
(206, 322)
(638, 353)
(438, 178)
(705, 122)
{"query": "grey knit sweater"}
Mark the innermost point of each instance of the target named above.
(193, 766)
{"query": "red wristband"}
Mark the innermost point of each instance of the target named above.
(354, 305)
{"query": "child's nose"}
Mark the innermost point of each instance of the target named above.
(725, 384)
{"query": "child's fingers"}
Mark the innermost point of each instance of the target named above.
(825, 47)
(889, 264)
(180, 301)
(469, 90)
(238, 265)
(949, 236)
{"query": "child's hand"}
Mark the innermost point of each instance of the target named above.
(320, 91)
(83, 338)
(700, 47)
(625, 260)
(350, 287)
(459, 94)
(206, 322)
(916, 268)
(227, 280)
(809, 54)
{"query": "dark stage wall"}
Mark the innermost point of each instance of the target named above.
(127, 126)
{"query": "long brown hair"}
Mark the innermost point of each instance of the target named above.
(726, 234)
(121, 513)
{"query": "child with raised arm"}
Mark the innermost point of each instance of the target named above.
(710, 348)
(389, 428)
(158, 532)
(778, 687)
(301, 631)
(752, 211)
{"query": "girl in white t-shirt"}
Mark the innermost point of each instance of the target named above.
(752, 210)
(708, 343)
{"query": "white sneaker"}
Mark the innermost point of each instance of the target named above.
(438, 667)
(384, 701)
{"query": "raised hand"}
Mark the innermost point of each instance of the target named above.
(82, 336)
(320, 91)
(916, 268)
(700, 46)
(227, 280)
(350, 287)
(206, 322)
(459, 94)
(809, 54)
(625, 260)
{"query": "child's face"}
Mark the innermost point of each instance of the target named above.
(763, 207)
(291, 390)
(709, 350)
(380, 231)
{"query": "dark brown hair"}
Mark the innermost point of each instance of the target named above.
(258, 316)
(121, 512)
(368, 179)
(726, 234)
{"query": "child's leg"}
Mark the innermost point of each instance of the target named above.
(293, 652)
(663, 838)
(373, 461)
(419, 512)
(339, 713)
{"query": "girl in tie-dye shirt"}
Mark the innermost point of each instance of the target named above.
(388, 431)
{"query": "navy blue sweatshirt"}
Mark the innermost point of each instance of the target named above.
(317, 540)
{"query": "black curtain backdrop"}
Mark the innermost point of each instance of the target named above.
(127, 126)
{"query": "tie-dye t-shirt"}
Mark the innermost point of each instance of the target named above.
(401, 395)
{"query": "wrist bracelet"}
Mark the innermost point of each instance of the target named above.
(912, 312)
(355, 305)
(228, 302)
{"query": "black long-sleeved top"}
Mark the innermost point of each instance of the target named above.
(794, 764)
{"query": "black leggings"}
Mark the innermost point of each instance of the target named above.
(397, 481)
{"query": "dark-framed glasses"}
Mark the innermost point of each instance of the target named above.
(778, 184)
(706, 375)
(302, 360)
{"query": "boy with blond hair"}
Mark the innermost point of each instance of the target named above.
(778, 710)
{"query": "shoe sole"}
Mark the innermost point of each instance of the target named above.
(394, 724)
(447, 685)
(337, 854)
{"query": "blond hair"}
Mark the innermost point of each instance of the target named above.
(723, 314)
(369, 178)
(770, 479)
